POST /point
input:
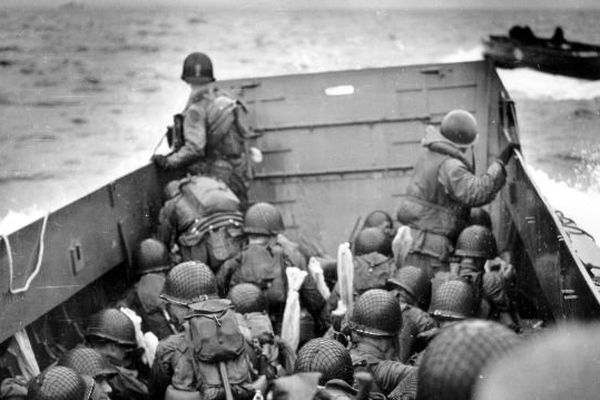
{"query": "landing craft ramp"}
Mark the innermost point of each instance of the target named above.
(336, 145)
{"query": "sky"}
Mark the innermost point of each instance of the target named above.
(303, 4)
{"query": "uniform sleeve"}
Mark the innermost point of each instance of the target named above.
(194, 134)
(162, 369)
(469, 189)
(390, 374)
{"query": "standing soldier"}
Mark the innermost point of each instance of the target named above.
(209, 136)
(444, 188)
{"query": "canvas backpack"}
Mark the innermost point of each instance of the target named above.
(220, 360)
(208, 195)
(371, 271)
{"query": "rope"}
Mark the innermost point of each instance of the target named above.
(571, 225)
(37, 266)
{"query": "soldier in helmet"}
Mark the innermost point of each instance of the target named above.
(474, 247)
(112, 334)
(413, 289)
(87, 361)
(382, 220)
(374, 325)
(455, 359)
(444, 188)
(264, 261)
(452, 301)
(212, 137)
(373, 263)
(152, 261)
(61, 383)
(188, 284)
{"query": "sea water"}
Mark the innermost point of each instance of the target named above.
(85, 93)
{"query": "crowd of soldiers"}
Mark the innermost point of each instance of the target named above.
(226, 306)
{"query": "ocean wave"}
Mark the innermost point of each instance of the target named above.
(539, 85)
(9, 176)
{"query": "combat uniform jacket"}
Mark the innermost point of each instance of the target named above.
(414, 322)
(387, 375)
(144, 299)
(440, 194)
(174, 218)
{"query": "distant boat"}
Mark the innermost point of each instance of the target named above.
(555, 55)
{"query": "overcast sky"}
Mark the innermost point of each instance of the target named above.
(294, 4)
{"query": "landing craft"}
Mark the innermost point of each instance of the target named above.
(336, 145)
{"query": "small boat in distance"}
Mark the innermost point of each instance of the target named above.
(555, 55)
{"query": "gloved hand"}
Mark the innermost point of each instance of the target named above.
(161, 161)
(508, 152)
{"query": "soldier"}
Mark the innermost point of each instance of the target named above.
(203, 217)
(455, 359)
(152, 261)
(174, 367)
(61, 383)
(263, 262)
(209, 135)
(444, 188)
(382, 220)
(375, 324)
(274, 356)
(112, 334)
(87, 361)
(413, 289)
(562, 364)
(475, 246)
(373, 264)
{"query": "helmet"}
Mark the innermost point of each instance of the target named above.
(60, 383)
(454, 360)
(197, 68)
(113, 325)
(460, 127)
(414, 281)
(263, 219)
(247, 298)
(476, 241)
(172, 189)
(376, 313)
(327, 356)
(189, 282)
(372, 240)
(151, 256)
(480, 217)
(453, 300)
(87, 361)
(377, 218)
(559, 365)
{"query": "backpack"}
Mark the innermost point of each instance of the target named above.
(264, 267)
(371, 271)
(226, 130)
(208, 195)
(265, 346)
(221, 364)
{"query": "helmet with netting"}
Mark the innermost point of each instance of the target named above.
(453, 362)
(476, 241)
(327, 356)
(247, 298)
(376, 313)
(377, 218)
(112, 325)
(480, 217)
(560, 364)
(263, 219)
(452, 300)
(189, 282)
(415, 282)
(197, 69)
(371, 240)
(87, 361)
(151, 256)
(60, 383)
(460, 127)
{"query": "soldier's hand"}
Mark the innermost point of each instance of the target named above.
(161, 161)
(508, 152)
